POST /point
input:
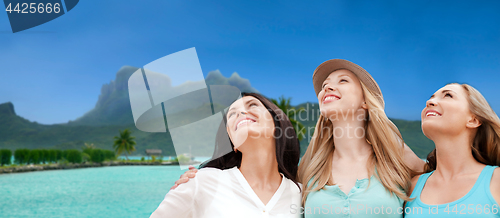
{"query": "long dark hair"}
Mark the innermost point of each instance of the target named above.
(287, 144)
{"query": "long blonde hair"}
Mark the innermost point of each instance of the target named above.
(486, 143)
(387, 143)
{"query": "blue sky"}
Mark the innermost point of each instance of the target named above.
(54, 72)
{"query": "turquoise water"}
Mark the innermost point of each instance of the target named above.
(120, 191)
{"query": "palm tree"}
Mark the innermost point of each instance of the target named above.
(89, 146)
(284, 104)
(124, 142)
(87, 151)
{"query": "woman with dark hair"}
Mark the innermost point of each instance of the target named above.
(258, 179)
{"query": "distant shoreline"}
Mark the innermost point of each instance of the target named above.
(34, 168)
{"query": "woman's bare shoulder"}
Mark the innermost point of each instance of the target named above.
(495, 184)
(414, 181)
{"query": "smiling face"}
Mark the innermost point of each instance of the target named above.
(341, 94)
(248, 117)
(447, 112)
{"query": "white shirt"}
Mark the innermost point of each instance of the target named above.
(226, 193)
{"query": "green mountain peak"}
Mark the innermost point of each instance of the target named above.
(7, 109)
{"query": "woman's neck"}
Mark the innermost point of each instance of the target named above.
(454, 155)
(349, 138)
(259, 165)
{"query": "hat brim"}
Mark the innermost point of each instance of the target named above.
(327, 67)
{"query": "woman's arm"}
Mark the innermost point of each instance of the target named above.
(178, 202)
(412, 160)
(414, 181)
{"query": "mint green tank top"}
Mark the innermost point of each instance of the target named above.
(478, 202)
(363, 200)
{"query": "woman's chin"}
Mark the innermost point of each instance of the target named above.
(239, 137)
(259, 134)
(337, 114)
(430, 128)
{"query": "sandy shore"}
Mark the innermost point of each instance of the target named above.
(31, 168)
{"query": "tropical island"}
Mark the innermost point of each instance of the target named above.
(26, 160)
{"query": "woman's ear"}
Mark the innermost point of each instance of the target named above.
(364, 105)
(473, 122)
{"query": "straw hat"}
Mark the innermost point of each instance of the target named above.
(327, 67)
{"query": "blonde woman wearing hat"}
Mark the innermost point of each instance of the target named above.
(463, 177)
(357, 164)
